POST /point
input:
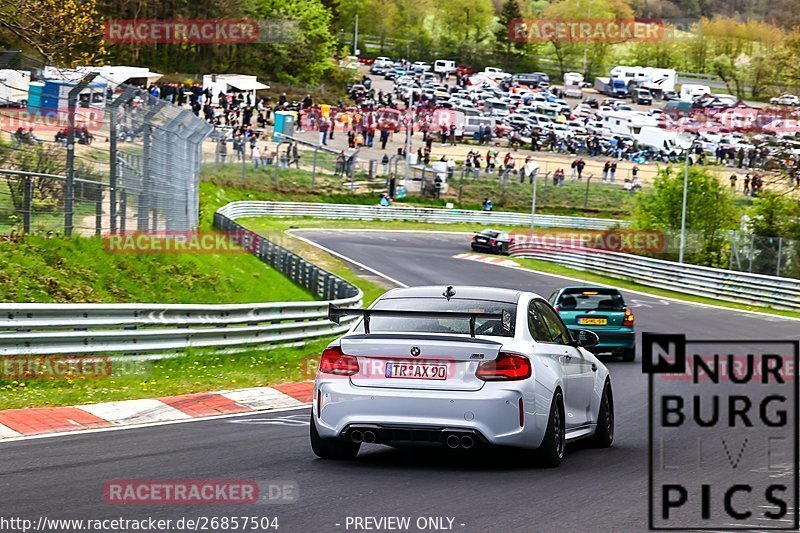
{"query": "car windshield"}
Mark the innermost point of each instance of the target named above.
(492, 327)
(590, 299)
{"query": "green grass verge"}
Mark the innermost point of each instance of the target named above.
(38, 269)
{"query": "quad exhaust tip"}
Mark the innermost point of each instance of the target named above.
(369, 437)
(453, 441)
(467, 442)
(357, 437)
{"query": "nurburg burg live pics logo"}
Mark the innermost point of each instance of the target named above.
(723, 438)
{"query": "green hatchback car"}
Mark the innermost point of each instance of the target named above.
(601, 310)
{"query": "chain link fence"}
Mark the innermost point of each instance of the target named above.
(80, 153)
(772, 256)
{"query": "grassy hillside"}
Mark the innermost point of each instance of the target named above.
(38, 269)
(600, 200)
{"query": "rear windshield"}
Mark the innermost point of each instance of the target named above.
(436, 325)
(490, 233)
(591, 299)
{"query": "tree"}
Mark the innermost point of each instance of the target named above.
(465, 27)
(65, 32)
(774, 220)
(593, 54)
(306, 57)
(709, 213)
(510, 12)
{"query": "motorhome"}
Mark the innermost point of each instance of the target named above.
(14, 85)
(626, 124)
(657, 138)
(573, 78)
(690, 91)
(656, 80)
(444, 66)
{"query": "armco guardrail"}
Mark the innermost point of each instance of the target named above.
(780, 293)
(45, 329)
(416, 214)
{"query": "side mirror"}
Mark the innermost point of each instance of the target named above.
(585, 338)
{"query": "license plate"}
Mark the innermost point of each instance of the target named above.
(479, 239)
(416, 371)
(593, 321)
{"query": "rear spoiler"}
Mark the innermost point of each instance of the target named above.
(336, 313)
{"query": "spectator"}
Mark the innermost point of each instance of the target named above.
(222, 148)
(487, 204)
(256, 155)
(580, 166)
(612, 170)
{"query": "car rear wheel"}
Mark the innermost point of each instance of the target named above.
(629, 355)
(604, 434)
(551, 452)
(331, 448)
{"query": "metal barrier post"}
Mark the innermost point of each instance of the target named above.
(98, 212)
(314, 168)
(278, 161)
(586, 198)
(28, 201)
(123, 210)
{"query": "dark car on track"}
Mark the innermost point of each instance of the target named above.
(491, 241)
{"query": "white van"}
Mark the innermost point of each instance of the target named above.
(444, 66)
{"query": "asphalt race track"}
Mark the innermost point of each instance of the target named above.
(593, 490)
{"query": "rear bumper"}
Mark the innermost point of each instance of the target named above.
(418, 416)
(481, 247)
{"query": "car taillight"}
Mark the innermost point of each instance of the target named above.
(507, 367)
(491, 241)
(628, 319)
(335, 362)
(475, 238)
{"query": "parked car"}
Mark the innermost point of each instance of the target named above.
(785, 99)
(592, 102)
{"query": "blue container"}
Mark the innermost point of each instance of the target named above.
(49, 102)
(34, 100)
